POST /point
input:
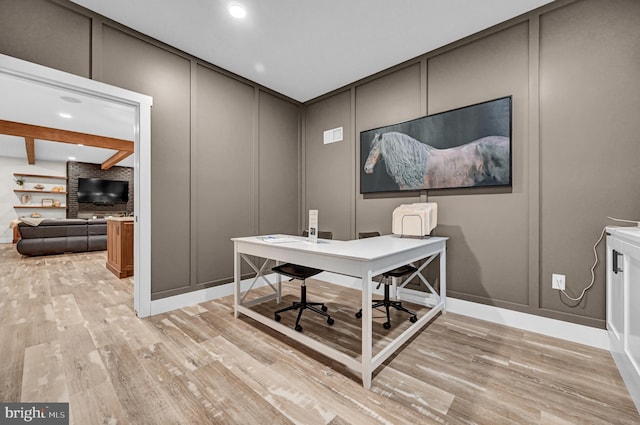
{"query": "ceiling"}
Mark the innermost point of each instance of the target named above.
(306, 48)
(300, 48)
(26, 102)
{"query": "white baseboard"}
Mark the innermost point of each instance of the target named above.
(175, 302)
(6, 240)
(581, 334)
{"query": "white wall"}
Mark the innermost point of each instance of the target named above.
(8, 198)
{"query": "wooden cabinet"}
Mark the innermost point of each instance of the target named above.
(623, 298)
(16, 234)
(120, 246)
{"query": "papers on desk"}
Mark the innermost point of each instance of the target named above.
(279, 239)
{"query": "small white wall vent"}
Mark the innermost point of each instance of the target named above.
(333, 135)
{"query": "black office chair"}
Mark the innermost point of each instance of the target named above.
(302, 273)
(386, 279)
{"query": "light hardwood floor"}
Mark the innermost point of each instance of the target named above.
(68, 333)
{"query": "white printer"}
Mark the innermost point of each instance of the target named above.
(415, 220)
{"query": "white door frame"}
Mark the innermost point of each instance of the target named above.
(17, 68)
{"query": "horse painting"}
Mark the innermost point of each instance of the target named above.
(415, 165)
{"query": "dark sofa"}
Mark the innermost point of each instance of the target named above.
(57, 236)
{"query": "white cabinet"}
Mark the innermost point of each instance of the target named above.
(623, 301)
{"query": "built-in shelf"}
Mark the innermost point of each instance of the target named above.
(51, 196)
(41, 207)
(40, 176)
(39, 191)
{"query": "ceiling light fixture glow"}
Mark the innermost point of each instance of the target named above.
(237, 10)
(72, 158)
(65, 115)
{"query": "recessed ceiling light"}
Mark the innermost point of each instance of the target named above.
(72, 158)
(237, 10)
(65, 115)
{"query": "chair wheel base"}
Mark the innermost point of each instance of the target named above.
(277, 317)
(386, 325)
(359, 315)
(323, 308)
(413, 319)
(330, 321)
(298, 328)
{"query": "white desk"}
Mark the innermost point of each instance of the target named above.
(362, 258)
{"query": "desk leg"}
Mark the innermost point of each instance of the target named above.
(367, 339)
(237, 261)
(278, 285)
(443, 279)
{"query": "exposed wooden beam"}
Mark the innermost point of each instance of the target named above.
(117, 157)
(30, 146)
(65, 136)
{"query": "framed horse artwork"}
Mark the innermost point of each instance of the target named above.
(462, 148)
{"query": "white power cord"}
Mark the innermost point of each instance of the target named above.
(595, 254)
(593, 276)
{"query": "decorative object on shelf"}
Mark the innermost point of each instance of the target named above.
(58, 189)
(56, 203)
(25, 199)
(36, 215)
(38, 187)
(47, 202)
(19, 181)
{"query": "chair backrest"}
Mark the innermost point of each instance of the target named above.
(363, 235)
(321, 234)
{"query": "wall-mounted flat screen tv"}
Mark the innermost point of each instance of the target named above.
(462, 148)
(100, 191)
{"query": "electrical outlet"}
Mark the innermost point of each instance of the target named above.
(557, 281)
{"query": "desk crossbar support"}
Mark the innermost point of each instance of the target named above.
(259, 274)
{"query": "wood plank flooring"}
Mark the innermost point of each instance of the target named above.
(68, 333)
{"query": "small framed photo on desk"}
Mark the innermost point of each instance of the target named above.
(47, 202)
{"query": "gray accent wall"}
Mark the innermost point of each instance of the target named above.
(572, 68)
(46, 33)
(141, 66)
(230, 158)
(279, 167)
(224, 166)
(328, 168)
(224, 151)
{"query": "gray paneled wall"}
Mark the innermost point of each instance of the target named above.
(217, 141)
(47, 33)
(572, 69)
(328, 168)
(224, 171)
(589, 136)
(140, 66)
(279, 165)
(488, 249)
